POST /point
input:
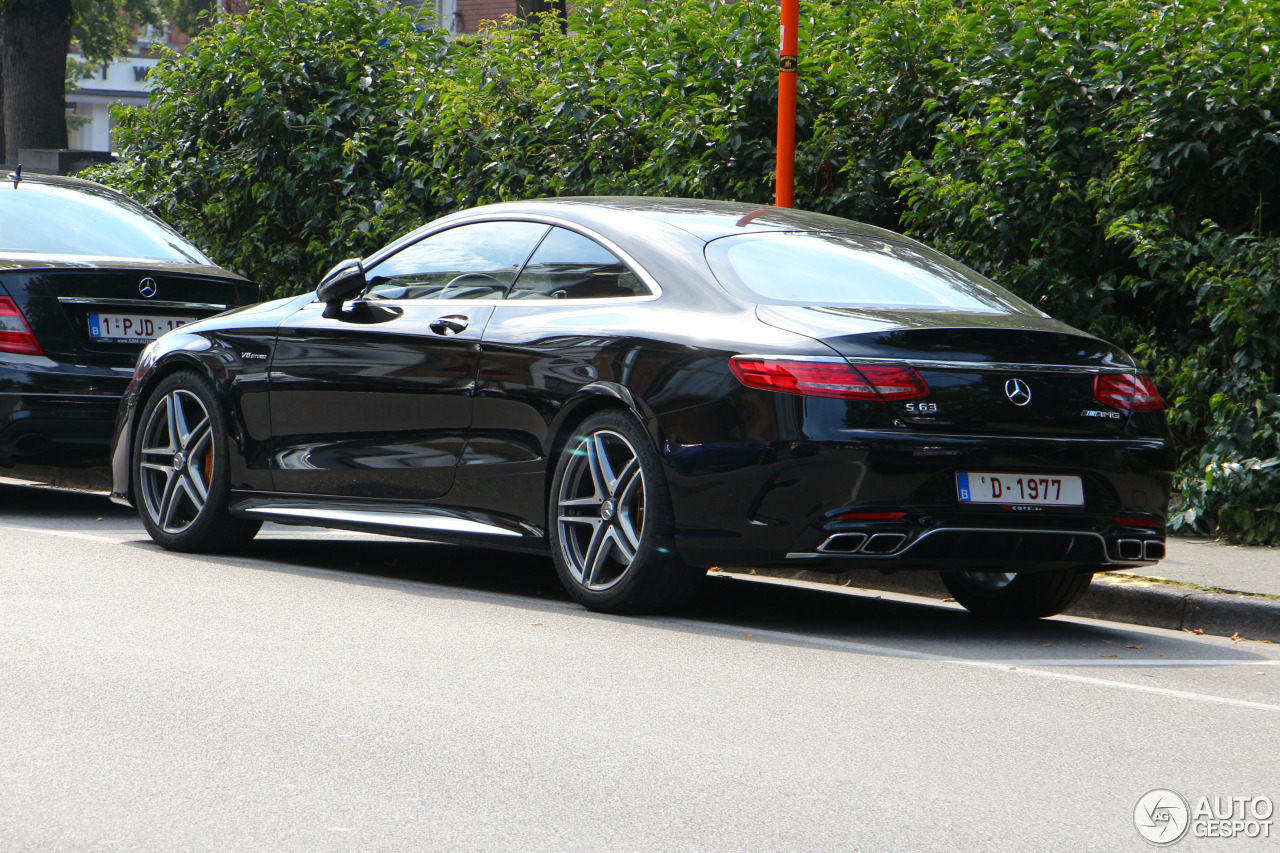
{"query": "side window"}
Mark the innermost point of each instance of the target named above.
(570, 266)
(477, 261)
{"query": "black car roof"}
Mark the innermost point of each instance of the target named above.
(703, 218)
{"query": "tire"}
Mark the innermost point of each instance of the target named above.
(1018, 595)
(611, 524)
(181, 470)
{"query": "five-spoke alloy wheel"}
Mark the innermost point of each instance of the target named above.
(600, 506)
(180, 469)
(175, 462)
(611, 521)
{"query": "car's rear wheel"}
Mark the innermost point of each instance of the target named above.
(1017, 595)
(611, 523)
(180, 469)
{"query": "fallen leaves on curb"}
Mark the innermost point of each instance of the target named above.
(1133, 647)
(1236, 638)
(1109, 656)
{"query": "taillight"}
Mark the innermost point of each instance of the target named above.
(1133, 393)
(15, 334)
(829, 378)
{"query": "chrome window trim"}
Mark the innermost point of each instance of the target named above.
(552, 221)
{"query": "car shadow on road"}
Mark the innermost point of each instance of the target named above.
(728, 604)
(862, 620)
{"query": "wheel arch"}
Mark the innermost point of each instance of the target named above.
(176, 362)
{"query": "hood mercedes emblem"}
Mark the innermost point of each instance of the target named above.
(147, 287)
(1018, 392)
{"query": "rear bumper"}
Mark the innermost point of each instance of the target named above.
(963, 544)
(782, 502)
(54, 413)
(67, 430)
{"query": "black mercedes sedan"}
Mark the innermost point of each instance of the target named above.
(645, 388)
(87, 278)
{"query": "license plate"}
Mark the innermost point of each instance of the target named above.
(132, 328)
(981, 487)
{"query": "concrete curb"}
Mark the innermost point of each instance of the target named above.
(1115, 598)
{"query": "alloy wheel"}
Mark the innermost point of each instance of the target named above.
(600, 509)
(176, 465)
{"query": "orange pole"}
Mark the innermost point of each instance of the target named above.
(788, 51)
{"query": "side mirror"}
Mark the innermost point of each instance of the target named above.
(342, 282)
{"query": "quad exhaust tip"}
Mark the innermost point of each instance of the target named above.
(1153, 551)
(1129, 549)
(843, 543)
(861, 543)
(883, 543)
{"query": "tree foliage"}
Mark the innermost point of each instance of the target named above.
(1114, 162)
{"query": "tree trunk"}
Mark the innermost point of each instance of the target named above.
(530, 8)
(37, 36)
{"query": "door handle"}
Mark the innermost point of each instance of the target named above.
(450, 325)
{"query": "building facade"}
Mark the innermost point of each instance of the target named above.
(121, 82)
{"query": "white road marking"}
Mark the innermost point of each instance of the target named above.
(1024, 667)
(737, 632)
(66, 534)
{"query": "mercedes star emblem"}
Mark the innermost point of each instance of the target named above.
(147, 287)
(1018, 392)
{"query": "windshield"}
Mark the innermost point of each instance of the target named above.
(843, 270)
(53, 220)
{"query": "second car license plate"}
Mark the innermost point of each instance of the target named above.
(132, 328)
(981, 487)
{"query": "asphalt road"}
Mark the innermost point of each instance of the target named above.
(330, 691)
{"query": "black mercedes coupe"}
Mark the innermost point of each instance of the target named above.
(644, 388)
(87, 278)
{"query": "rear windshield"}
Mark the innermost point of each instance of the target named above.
(53, 220)
(843, 270)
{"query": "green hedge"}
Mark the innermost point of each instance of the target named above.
(1115, 162)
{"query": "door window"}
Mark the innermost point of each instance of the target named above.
(477, 261)
(568, 265)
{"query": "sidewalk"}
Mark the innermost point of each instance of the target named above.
(1201, 586)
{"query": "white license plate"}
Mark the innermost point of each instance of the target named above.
(981, 487)
(132, 328)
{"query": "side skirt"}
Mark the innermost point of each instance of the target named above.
(412, 521)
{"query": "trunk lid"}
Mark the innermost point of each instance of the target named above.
(987, 373)
(93, 313)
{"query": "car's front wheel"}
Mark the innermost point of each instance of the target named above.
(611, 523)
(181, 471)
(1017, 595)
